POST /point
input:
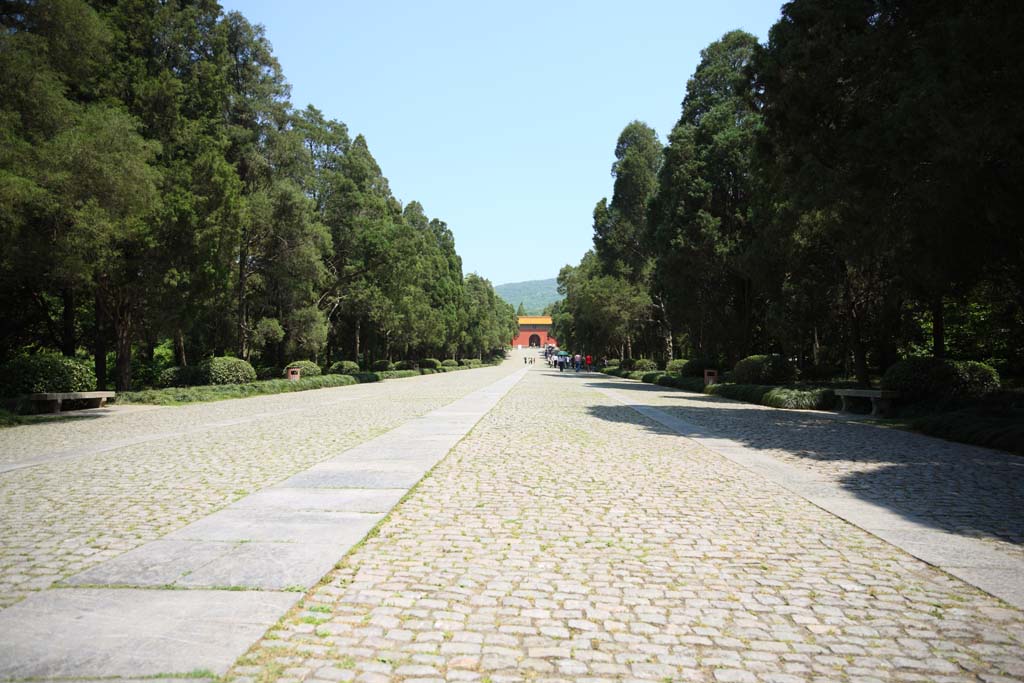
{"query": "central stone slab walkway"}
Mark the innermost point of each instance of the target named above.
(569, 537)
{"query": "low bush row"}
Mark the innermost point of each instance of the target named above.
(777, 397)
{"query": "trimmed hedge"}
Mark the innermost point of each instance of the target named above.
(267, 372)
(764, 369)
(406, 365)
(226, 370)
(776, 397)
(45, 372)
(344, 367)
(939, 380)
(223, 392)
(382, 365)
(307, 368)
(430, 364)
(644, 364)
(449, 363)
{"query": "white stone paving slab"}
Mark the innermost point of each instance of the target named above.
(340, 500)
(85, 632)
(966, 558)
(277, 525)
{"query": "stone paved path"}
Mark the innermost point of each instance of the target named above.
(571, 538)
(88, 490)
(568, 537)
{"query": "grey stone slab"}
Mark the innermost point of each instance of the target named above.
(158, 563)
(96, 632)
(364, 478)
(339, 500)
(268, 566)
(277, 525)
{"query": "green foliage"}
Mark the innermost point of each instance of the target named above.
(45, 372)
(676, 366)
(344, 367)
(383, 365)
(430, 364)
(406, 365)
(613, 363)
(763, 369)
(226, 370)
(800, 399)
(651, 377)
(450, 363)
(644, 364)
(693, 384)
(307, 368)
(939, 380)
(265, 372)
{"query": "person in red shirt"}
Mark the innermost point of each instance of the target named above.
(590, 360)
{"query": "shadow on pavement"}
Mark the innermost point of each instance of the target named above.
(954, 487)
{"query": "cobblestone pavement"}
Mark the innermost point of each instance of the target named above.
(570, 538)
(60, 517)
(962, 489)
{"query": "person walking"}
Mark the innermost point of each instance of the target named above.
(590, 362)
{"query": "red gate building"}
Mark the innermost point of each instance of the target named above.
(534, 330)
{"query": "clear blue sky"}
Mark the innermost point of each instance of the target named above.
(500, 118)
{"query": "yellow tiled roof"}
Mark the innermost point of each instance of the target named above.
(535, 320)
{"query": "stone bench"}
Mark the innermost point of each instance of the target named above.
(881, 401)
(50, 402)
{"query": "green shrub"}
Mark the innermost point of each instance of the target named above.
(344, 367)
(763, 369)
(750, 393)
(383, 365)
(695, 367)
(225, 370)
(651, 377)
(450, 363)
(430, 364)
(822, 372)
(939, 380)
(45, 372)
(307, 368)
(644, 364)
(675, 367)
(470, 362)
(800, 399)
(405, 365)
(612, 363)
(627, 363)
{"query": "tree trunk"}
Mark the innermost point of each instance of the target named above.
(67, 340)
(860, 354)
(629, 347)
(816, 348)
(123, 334)
(180, 358)
(938, 328)
(100, 348)
(243, 313)
(356, 347)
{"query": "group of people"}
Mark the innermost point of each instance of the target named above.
(564, 361)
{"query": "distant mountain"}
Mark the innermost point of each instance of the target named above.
(534, 294)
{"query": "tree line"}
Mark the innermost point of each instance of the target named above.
(843, 194)
(159, 191)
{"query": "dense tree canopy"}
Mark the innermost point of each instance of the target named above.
(162, 202)
(842, 194)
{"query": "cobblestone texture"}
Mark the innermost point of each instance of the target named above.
(569, 538)
(59, 518)
(954, 487)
